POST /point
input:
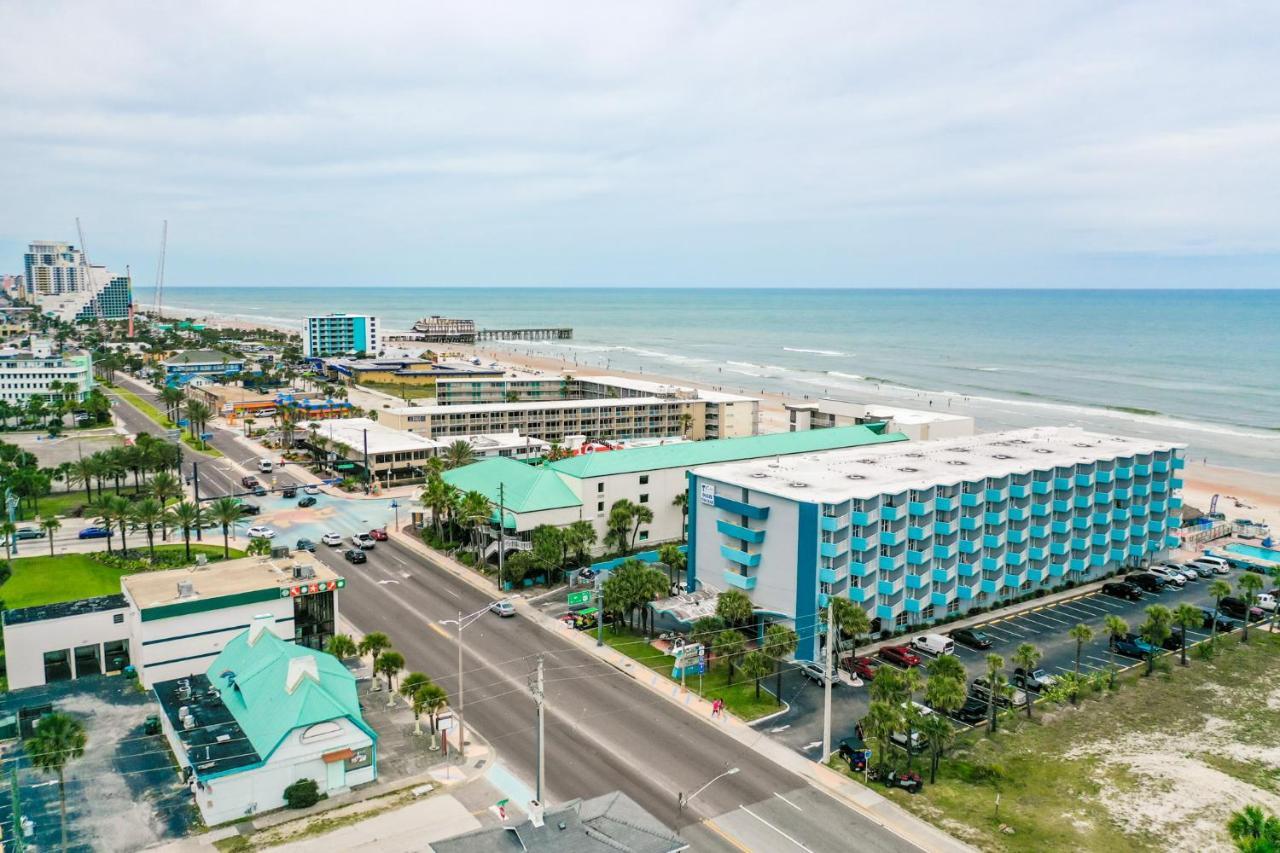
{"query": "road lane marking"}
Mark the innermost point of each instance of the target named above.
(709, 824)
(788, 802)
(775, 829)
(441, 631)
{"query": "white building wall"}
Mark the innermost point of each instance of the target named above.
(662, 487)
(26, 643)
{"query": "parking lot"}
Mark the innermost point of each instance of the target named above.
(1043, 626)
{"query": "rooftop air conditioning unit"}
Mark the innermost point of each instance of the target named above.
(185, 589)
(279, 552)
(202, 560)
(303, 573)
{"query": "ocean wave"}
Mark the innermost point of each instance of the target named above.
(845, 375)
(830, 352)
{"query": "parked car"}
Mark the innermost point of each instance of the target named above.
(249, 509)
(1220, 565)
(1180, 569)
(861, 667)
(971, 637)
(248, 481)
(1173, 642)
(289, 492)
(899, 656)
(311, 489)
(1011, 697)
(1265, 600)
(974, 710)
(1130, 649)
(1035, 679)
(331, 538)
(907, 780)
(1235, 608)
(503, 608)
(378, 534)
(935, 645)
(918, 740)
(1146, 582)
(1204, 570)
(307, 502)
(817, 673)
(1223, 623)
(306, 545)
(1122, 589)
(95, 533)
(355, 555)
(261, 533)
(363, 540)
(853, 751)
(587, 574)
(29, 533)
(1168, 576)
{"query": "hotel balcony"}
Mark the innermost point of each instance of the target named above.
(1097, 560)
(737, 531)
(1175, 483)
(1102, 497)
(970, 499)
(1120, 515)
(966, 593)
(886, 563)
(1172, 522)
(1037, 553)
(1084, 479)
(945, 528)
(1061, 484)
(995, 495)
(862, 543)
(918, 508)
(1098, 539)
(944, 504)
(1160, 466)
(1060, 526)
(740, 508)
(942, 552)
(1172, 541)
(858, 593)
(1116, 554)
(744, 582)
(1141, 491)
(1014, 558)
(992, 564)
(1036, 575)
(1081, 502)
(863, 518)
(917, 534)
(917, 581)
(828, 549)
(1101, 518)
(890, 587)
(993, 518)
(1040, 510)
(1138, 531)
(990, 587)
(1019, 513)
(1078, 564)
(1179, 463)
(831, 575)
(1124, 473)
(915, 605)
(969, 546)
(742, 558)
(1017, 536)
(1142, 470)
(917, 558)
(860, 569)
(1155, 526)
(1157, 506)
(1019, 490)
(1136, 550)
(1079, 543)
(1139, 510)
(1061, 506)
(1123, 494)
(939, 599)
(1119, 535)
(942, 575)
(1081, 523)
(892, 513)
(1057, 570)
(890, 537)
(970, 522)
(1039, 531)
(1041, 487)
(1175, 503)
(1104, 477)
(1155, 545)
(830, 523)
(993, 540)
(967, 570)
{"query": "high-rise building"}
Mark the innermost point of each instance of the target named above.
(64, 285)
(339, 334)
(53, 268)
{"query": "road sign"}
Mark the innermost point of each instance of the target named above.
(576, 598)
(173, 434)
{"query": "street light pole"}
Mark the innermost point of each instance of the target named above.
(539, 696)
(828, 676)
(684, 801)
(599, 611)
(462, 622)
(502, 545)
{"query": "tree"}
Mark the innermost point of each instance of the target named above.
(681, 500)
(374, 644)
(302, 794)
(430, 698)
(882, 720)
(147, 513)
(185, 516)
(458, 454)
(1218, 590)
(408, 687)
(1115, 628)
(995, 686)
(122, 511)
(779, 642)
(165, 487)
(640, 514)
(50, 525)
(755, 666)
(198, 415)
(226, 512)
(940, 734)
(580, 538)
(1155, 631)
(8, 530)
(1027, 656)
(851, 622)
(1186, 615)
(474, 512)
(734, 607)
(258, 547)
(548, 549)
(1275, 611)
(342, 646)
(630, 587)
(1082, 634)
(618, 527)
(58, 739)
(945, 692)
(729, 646)
(706, 630)
(674, 559)
(1254, 831)
(389, 663)
(1250, 583)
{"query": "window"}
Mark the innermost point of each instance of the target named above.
(644, 498)
(117, 618)
(644, 534)
(599, 506)
(599, 488)
(644, 479)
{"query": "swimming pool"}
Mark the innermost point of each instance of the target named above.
(1254, 551)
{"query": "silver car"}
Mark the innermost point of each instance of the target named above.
(503, 608)
(1184, 570)
(816, 673)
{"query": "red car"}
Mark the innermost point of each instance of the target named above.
(899, 656)
(864, 667)
(379, 534)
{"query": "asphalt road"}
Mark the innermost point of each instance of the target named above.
(604, 731)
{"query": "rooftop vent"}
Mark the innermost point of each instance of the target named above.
(865, 461)
(856, 476)
(1001, 456)
(759, 475)
(1043, 450)
(300, 668)
(186, 589)
(914, 455)
(796, 484)
(956, 462)
(1083, 444)
(908, 470)
(302, 572)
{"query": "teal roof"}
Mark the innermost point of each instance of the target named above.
(689, 454)
(257, 692)
(524, 487)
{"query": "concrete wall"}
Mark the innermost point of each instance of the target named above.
(662, 487)
(26, 643)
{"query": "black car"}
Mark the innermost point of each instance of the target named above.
(306, 502)
(289, 492)
(249, 509)
(1122, 589)
(1145, 582)
(355, 555)
(974, 710)
(1173, 642)
(306, 545)
(1223, 624)
(1236, 608)
(972, 638)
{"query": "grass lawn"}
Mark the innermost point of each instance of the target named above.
(740, 698)
(1158, 764)
(399, 391)
(196, 444)
(45, 580)
(146, 408)
(58, 503)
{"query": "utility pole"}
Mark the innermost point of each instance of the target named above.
(599, 611)
(15, 801)
(826, 685)
(366, 461)
(539, 698)
(195, 481)
(502, 528)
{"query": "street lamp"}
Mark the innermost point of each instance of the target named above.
(462, 622)
(684, 801)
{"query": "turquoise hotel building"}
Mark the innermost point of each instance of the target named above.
(919, 532)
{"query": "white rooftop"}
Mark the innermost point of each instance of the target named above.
(382, 439)
(501, 441)
(863, 472)
(666, 389)
(532, 405)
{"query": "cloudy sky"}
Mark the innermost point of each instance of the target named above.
(648, 143)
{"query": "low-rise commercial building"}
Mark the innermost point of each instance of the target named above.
(40, 371)
(393, 456)
(922, 531)
(236, 403)
(180, 368)
(417, 373)
(339, 334)
(916, 424)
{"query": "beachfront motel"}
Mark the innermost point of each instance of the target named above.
(923, 531)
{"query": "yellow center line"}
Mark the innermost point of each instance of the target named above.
(709, 824)
(442, 632)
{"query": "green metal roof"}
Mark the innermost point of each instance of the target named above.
(524, 487)
(689, 454)
(257, 693)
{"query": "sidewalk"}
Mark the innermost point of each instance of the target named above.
(866, 801)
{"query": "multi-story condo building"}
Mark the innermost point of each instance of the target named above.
(59, 280)
(917, 424)
(923, 531)
(32, 373)
(181, 367)
(339, 334)
(53, 268)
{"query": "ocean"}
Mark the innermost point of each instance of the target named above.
(1200, 367)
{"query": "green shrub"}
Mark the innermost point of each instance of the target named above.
(302, 794)
(6, 571)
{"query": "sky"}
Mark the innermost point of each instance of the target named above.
(828, 144)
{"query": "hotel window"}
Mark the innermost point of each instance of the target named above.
(644, 479)
(600, 506)
(599, 488)
(644, 498)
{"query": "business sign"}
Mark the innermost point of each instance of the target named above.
(173, 434)
(691, 659)
(576, 598)
(707, 493)
(359, 758)
(312, 588)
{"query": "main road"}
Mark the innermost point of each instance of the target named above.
(604, 731)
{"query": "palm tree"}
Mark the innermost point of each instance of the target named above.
(882, 720)
(940, 734)
(755, 666)
(172, 398)
(851, 621)
(50, 524)
(641, 514)
(1218, 590)
(1156, 630)
(408, 687)
(580, 538)
(1186, 615)
(475, 512)
(8, 530)
(1082, 634)
(995, 686)
(681, 500)
(945, 691)
(258, 547)
(83, 471)
(185, 516)
(225, 512)
(374, 644)
(436, 498)
(430, 698)
(1027, 656)
(1115, 628)
(122, 511)
(389, 663)
(148, 512)
(165, 486)
(198, 415)
(1275, 611)
(342, 646)
(1249, 583)
(1254, 831)
(729, 646)
(779, 642)
(734, 607)
(458, 454)
(58, 739)
(618, 527)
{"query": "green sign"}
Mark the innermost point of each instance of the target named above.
(579, 597)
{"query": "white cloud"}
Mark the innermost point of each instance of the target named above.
(752, 142)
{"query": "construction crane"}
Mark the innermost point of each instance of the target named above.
(159, 302)
(87, 283)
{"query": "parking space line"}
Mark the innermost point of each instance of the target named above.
(1053, 618)
(1040, 622)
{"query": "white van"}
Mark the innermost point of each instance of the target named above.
(935, 645)
(1217, 562)
(265, 466)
